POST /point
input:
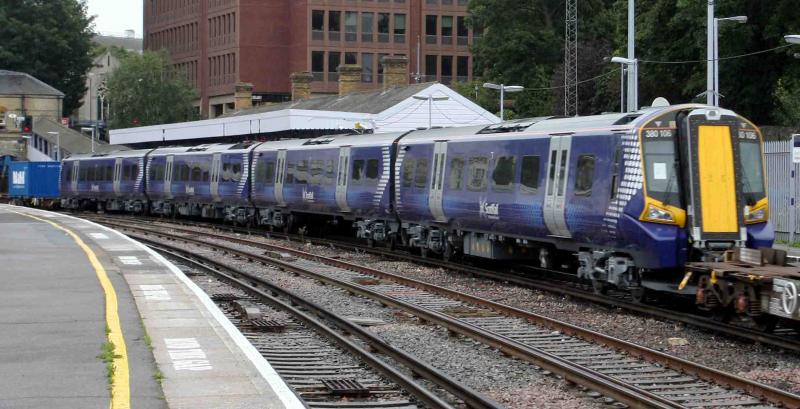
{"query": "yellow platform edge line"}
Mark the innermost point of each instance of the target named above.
(120, 387)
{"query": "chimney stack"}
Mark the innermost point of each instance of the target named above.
(395, 71)
(301, 85)
(243, 96)
(349, 78)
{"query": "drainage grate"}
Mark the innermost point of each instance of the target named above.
(345, 387)
(225, 297)
(268, 325)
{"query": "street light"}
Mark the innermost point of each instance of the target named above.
(503, 89)
(92, 131)
(712, 77)
(792, 38)
(430, 98)
(633, 80)
(58, 143)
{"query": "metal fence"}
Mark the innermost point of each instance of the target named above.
(784, 190)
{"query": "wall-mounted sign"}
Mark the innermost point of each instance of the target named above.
(796, 148)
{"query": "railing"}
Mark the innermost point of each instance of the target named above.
(318, 76)
(334, 36)
(400, 38)
(333, 76)
(446, 79)
(317, 35)
(462, 41)
(383, 37)
(366, 37)
(429, 39)
(447, 40)
(351, 36)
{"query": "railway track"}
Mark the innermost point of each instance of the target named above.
(785, 338)
(313, 366)
(635, 375)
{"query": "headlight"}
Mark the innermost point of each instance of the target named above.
(657, 214)
(756, 215)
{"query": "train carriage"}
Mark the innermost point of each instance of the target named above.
(107, 181)
(210, 181)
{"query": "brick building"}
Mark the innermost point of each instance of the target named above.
(218, 43)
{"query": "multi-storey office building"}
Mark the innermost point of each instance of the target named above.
(218, 43)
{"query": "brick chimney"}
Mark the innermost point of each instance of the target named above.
(301, 85)
(349, 78)
(395, 71)
(243, 96)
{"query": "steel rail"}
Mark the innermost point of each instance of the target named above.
(256, 286)
(617, 389)
(731, 330)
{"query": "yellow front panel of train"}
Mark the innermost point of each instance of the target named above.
(717, 180)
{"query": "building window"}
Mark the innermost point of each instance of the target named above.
(351, 58)
(447, 69)
(318, 64)
(367, 23)
(317, 24)
(334, 25)
(431, 67)
(334, 60)
(462, 31)
(350, 26)
(383, 27)
(462, 68)
(447, 30)
(367, 67)
(399, 28)
(430, 29)
(380, 66)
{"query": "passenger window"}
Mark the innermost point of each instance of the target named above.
(358, 171)
(503, 174)
(226, 172)
(83, 172)
(421, 177)
(134, 172)
(456, 178)
(289, 174)
(197, 173)
(372, 169)
(408, 173)
(236, 172)
(317, 172)
(329, 176)
(584, 175)
(126, 172)
(478, 168)
(530, 174)
(206, 174)
(269, 173)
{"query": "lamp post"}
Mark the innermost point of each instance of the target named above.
(792, 38)
(503, 89)
(58, 144)
(92, 131)
(633, 80)
(430, 98)
(712, 76)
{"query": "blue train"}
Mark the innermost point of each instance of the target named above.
(664, 199)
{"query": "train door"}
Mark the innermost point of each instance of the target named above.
(76, 167)
(117, 175)
(168, 177)
(342, 178)
(715, 205)
(216, 166)
(556, 187)
(280, 177)
(435, 191)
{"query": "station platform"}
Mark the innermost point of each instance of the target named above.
(71, 289)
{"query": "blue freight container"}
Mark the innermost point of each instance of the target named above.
(34, 180)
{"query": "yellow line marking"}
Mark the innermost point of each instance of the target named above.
(120, 388)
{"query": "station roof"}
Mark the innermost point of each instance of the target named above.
(72, 141)
(20, 83)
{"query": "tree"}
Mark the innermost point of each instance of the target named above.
(51, 40)
(146, 90)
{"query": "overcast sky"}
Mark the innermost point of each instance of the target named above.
(113, 17)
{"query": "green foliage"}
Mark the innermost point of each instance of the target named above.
(787, 95)
(107, 355)
(51, 40)
(523, 44)
(146, 90)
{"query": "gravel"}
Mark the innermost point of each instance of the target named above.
(762, 363)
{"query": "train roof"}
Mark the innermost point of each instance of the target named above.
(106, 155)
(205, 148)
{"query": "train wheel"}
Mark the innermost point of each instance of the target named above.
(370, 243)
(639, 294)
(447, 252)
(423, 251)
(599, 287)
(545, 258)
(765, 323)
